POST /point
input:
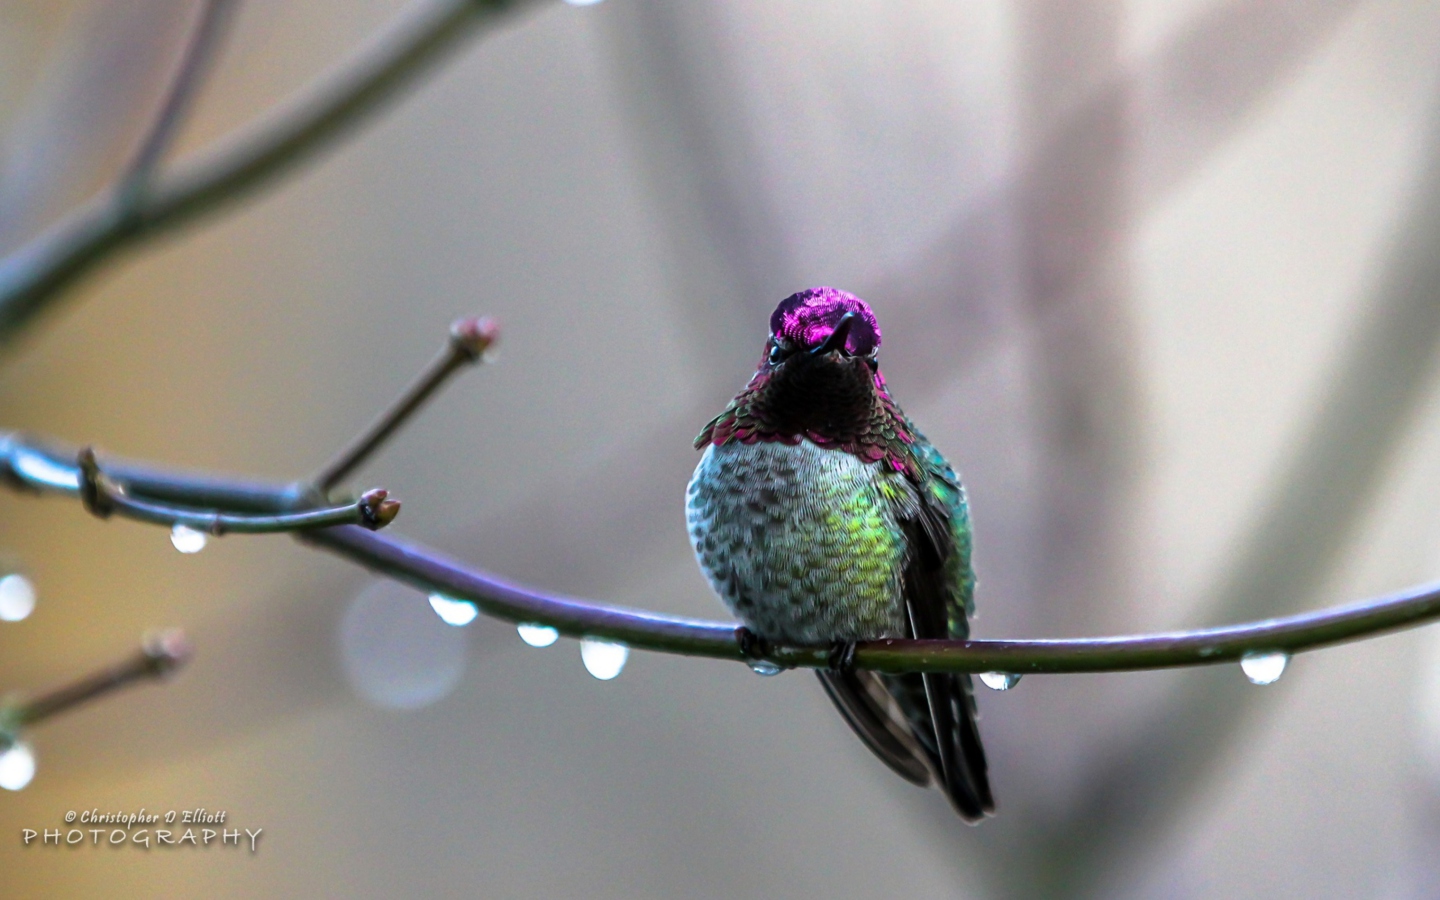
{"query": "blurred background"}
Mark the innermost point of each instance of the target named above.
(1161, 279)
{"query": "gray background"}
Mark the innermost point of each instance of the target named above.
(1158, 277)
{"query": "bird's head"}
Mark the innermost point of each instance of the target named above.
(819, 380)
(820, 371)
(823, 323)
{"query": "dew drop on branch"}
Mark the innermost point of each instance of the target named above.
(603, 659)
(17, 766)
(187, 539)
(1264, 668)
(765, 667)
(17, 597)
(453, 612)
(999, 681)
(537, 635)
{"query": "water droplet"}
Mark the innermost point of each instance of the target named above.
(17, 597)
(603, 659)
(537, 635)
(999, 681)
(453, 612)
(187, 539)
(765, 667)
(1264, 668)
(17, 766)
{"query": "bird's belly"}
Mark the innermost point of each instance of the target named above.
(799, 541)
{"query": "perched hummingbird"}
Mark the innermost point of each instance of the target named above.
(820, 515)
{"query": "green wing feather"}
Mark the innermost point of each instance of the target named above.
(939, 587)
(923, 726)
(943, 489)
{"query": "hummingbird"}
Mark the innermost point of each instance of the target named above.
(821, 516)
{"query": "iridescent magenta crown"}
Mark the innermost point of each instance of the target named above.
(806, 319)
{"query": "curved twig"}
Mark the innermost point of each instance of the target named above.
(103, 497)
(199, 52)
(469, 339)
(428, 570)
(38, 271)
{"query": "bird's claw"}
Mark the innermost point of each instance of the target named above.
(752, 645)
(842, 657)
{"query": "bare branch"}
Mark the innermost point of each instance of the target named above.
(38, 271)
(103, 497)
(432, 571)
(38, 468)
(469, 339)
(161, 653)
(32, 464)
(204, 38)
(332, 107)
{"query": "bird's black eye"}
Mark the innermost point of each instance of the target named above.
(779, 352)
(873, 361)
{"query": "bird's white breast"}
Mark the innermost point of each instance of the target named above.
(799, 541)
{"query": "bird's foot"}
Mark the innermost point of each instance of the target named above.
(752, 645)
(842, 657)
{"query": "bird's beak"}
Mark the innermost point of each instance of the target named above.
(837, 338)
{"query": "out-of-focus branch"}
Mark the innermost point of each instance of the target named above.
(161, 653)
(38, 271)
(1290, 550)
(209, 28)
(43, 469)
(469, 339)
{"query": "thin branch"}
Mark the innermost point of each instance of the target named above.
(34, 466)
(161, 653)
(38, 271)
(334, 105)
(194, 62)
(28, 463)
(103, 497)
(432, 571)
(469, 339)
